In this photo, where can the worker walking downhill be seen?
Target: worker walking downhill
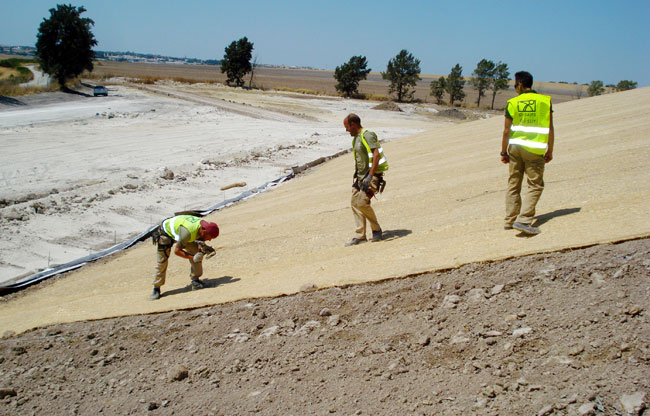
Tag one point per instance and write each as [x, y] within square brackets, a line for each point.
[190, 234]
[370, 165]
[527, 145]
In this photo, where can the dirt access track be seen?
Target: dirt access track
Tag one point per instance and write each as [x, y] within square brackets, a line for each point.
[442, 208]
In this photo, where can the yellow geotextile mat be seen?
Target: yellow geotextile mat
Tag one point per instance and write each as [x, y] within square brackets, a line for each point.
[443, 207]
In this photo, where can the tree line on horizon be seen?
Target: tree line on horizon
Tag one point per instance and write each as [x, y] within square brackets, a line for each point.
[65, 40]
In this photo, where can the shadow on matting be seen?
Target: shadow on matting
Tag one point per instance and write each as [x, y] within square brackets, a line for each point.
[394, 234]
[544, 218]
[207, 283]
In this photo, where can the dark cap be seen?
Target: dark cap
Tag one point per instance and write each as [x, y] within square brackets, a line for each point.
[211, 229]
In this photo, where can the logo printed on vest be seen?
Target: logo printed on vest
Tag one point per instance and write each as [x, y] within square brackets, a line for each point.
[527, 106]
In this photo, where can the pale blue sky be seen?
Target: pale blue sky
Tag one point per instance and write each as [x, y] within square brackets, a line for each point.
[554, 40]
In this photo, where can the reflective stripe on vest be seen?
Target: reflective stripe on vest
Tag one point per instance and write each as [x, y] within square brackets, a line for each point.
[382, 165]
[170, 228]
[192, 224]
[531, 120]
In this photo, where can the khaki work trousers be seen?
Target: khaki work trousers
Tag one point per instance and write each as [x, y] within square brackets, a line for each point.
[164, 250]
[532, 165]
[362, 210]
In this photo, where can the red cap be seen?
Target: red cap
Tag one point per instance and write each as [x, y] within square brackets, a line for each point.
[210, 228]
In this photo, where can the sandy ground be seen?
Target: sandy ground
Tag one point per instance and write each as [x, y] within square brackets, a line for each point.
[83, 173]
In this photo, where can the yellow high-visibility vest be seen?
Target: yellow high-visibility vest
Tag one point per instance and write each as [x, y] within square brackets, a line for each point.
[383, 163]
[192, 224]
[531, 121]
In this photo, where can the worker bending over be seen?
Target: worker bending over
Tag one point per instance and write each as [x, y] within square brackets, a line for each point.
[190, 234]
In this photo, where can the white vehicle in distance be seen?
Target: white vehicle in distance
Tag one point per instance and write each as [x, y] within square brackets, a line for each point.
[100, 90]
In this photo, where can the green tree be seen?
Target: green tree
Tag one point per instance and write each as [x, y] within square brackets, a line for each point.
[236, 62]
[499, 81]
[438, 89]
[455, 84]
[482, 77]
[403, 71]
[595, 88]
[625, 85]
[64, 43]
[350, 74]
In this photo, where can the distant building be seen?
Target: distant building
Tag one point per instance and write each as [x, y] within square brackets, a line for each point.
[18, 50]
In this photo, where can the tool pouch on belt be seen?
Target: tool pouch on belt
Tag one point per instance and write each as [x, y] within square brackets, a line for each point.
[381, 185]
[161, 239]
[155, 235]
[355, 184]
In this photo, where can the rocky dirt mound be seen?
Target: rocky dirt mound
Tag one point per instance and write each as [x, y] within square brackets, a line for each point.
[550, 334]
[388, 106]
[452, 113]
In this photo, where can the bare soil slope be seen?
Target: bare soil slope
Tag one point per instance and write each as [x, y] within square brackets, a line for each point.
[549, 334]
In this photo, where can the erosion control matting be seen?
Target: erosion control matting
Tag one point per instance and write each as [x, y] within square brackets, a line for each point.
[75, 264]
[443, 207]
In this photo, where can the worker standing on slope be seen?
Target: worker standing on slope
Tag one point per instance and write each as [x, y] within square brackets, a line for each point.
[370, 165]
[190, 233]
[527, 145]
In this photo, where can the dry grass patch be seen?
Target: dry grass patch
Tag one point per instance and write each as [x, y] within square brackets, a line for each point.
[299, 91]
[7, 72]
[17, 91]
[374, 97]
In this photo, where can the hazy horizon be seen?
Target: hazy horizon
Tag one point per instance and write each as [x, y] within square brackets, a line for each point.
[576, 41]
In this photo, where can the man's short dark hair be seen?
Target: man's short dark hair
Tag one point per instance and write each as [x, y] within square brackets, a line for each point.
[353, 118]
[525, 78]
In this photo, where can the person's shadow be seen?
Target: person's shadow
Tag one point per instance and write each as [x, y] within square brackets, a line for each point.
[394, 234]
[544, 218]
[207, 284]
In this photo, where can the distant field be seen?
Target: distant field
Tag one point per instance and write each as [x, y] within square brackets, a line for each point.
[312, 80]
[321, 81]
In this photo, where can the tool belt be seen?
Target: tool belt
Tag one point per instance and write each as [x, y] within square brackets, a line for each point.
[155, 238]
[381, 184]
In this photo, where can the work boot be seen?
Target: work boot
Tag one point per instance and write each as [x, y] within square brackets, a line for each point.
[197, 284]
[156, 294]
[526, 228]
[376, 236]
[355, 241]
[507, 227]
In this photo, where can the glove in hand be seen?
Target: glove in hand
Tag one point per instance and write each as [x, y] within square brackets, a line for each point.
[365, 183]
[205, 250]
[208, 251]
